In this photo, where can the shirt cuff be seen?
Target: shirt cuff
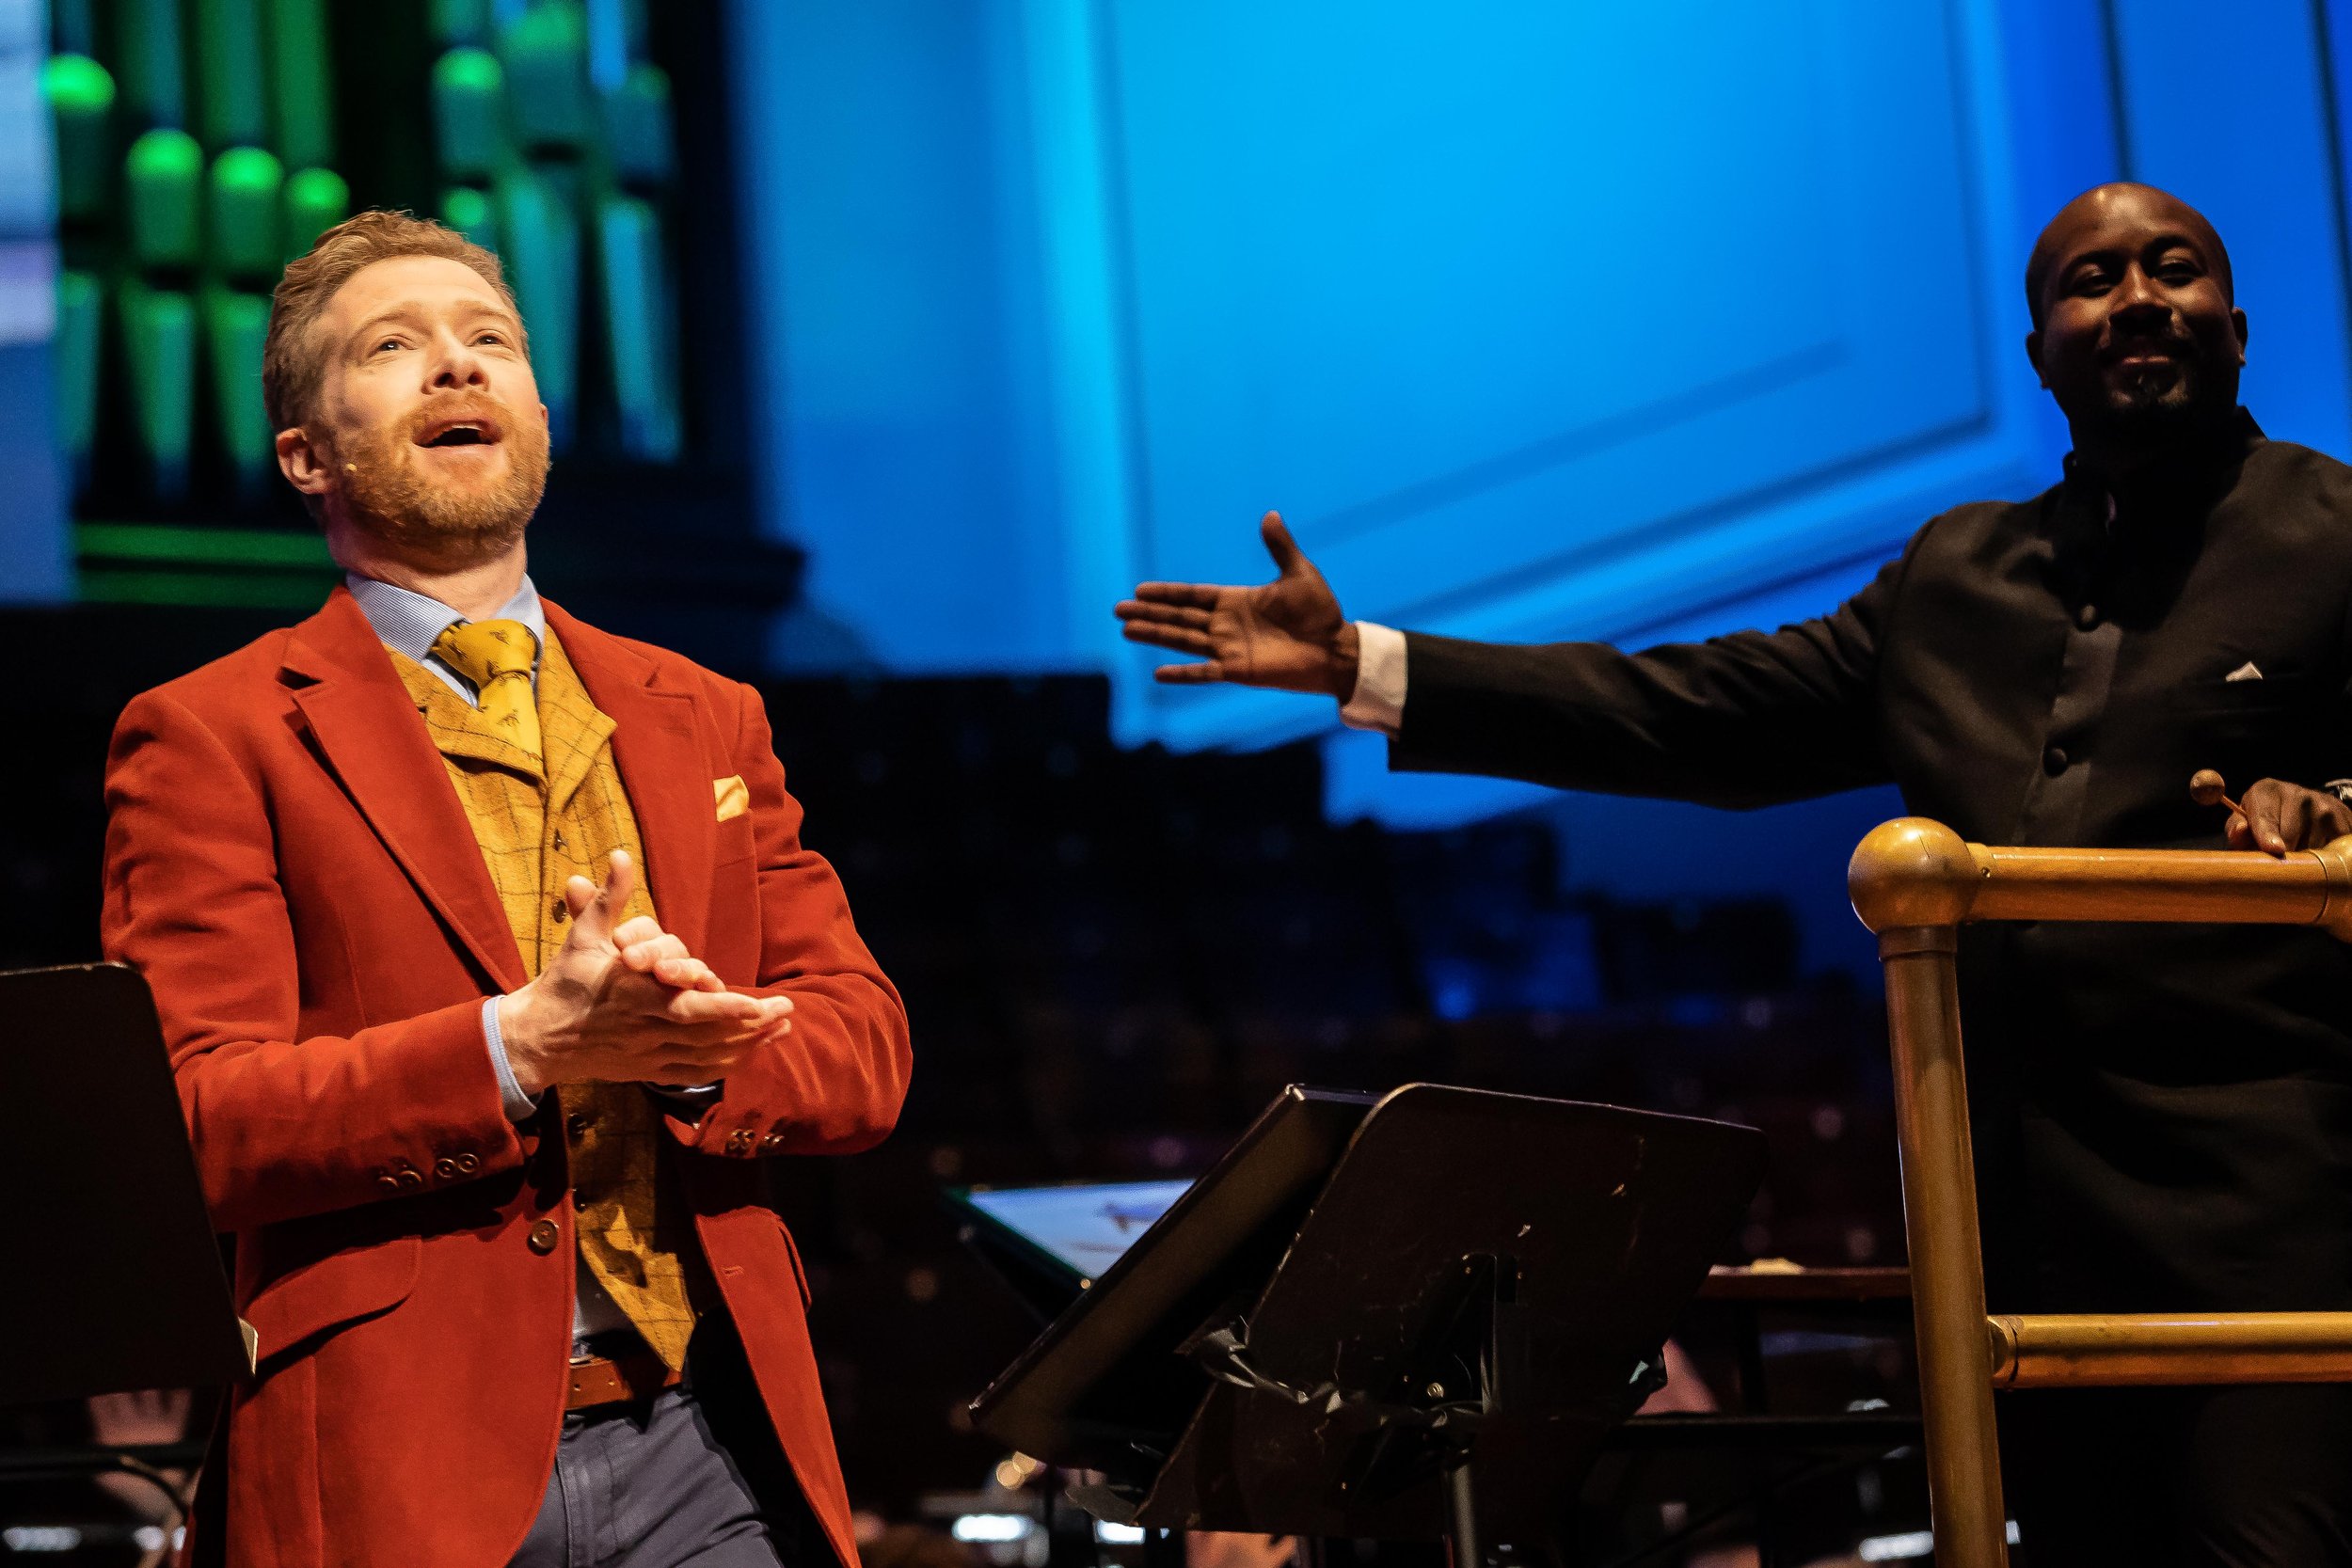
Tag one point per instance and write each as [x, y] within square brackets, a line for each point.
[519, 1105]
[1379, 703]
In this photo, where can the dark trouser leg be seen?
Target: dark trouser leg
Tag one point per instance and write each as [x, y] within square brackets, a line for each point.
[693, 1478]
[2197, 1478]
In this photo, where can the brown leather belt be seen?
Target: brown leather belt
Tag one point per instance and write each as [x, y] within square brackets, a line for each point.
[596, 1381]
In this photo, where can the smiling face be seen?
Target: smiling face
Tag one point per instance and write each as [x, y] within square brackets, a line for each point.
[426, 431]
[2136, 335]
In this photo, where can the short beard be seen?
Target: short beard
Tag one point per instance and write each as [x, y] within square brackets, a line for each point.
[380, 493]
[2152, 419]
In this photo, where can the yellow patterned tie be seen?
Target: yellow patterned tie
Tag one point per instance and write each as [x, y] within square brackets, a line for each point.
[498, 656]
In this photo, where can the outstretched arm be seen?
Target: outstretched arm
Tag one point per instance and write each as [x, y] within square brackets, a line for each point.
[1738, 721]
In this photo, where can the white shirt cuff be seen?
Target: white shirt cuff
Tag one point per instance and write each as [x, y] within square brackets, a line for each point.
[519, 1105]
[1379, 700]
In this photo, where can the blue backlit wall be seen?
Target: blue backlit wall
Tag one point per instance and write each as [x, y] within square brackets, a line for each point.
[1538, 320]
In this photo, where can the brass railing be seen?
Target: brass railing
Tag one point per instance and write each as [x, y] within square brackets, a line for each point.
[1914, 883]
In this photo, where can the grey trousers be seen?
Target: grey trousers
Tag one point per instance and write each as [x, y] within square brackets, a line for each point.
[693, 1479]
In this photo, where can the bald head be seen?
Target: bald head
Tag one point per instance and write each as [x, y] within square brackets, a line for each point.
[2135, 330]
[2101, 208]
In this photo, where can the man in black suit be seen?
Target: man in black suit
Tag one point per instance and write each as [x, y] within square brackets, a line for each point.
[2164, 1114]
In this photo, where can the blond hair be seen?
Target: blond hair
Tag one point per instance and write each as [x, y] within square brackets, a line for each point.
[291, 368]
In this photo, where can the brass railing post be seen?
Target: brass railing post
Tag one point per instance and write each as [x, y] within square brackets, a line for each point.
[1947, 1258]
[1914, 883]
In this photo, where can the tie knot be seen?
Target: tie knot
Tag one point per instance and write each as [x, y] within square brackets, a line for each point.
[482, 650]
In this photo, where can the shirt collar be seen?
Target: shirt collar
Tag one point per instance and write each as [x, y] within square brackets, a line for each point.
[409, 623]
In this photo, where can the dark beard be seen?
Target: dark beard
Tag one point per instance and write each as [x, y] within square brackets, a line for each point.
[2184, 412]
[382, 494]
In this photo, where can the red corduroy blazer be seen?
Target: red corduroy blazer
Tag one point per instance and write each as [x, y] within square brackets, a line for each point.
[288, 865]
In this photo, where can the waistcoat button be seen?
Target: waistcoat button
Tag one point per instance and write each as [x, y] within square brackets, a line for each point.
[2054, 760]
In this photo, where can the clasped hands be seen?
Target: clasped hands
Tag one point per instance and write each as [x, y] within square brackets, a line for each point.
[624, 1002]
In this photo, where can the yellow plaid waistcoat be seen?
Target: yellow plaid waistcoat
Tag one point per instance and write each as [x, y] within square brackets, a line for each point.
[539, 825]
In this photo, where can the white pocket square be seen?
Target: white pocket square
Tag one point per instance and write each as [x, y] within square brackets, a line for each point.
[2246, 671]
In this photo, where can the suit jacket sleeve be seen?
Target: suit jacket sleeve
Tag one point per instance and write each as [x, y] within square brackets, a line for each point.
[282, 1125]
[1749, 720]
[835, 1084]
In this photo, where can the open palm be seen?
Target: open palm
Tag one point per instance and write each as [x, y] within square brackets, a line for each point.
[1287, 634]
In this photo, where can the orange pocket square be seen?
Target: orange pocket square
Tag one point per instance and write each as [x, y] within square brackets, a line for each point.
[734, 800]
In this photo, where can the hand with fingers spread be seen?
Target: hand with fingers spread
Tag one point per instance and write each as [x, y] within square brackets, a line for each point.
[2278, 818]
[1287, 634]
[624, 1002]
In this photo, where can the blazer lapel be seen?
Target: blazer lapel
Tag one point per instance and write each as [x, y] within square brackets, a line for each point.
[663, 766]
[375, 742]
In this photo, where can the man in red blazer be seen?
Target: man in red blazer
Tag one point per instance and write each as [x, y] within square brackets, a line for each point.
[370, 1069]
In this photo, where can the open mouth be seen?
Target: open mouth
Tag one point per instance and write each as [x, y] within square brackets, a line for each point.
[459, 433]
[2146, 352]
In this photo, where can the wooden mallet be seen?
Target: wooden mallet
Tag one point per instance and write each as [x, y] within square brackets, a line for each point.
[2206, 789]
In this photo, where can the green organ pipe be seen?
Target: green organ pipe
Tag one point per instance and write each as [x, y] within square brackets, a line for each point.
[467, 211]
[231, 99]
[456, 21]
[546, 51]
[81, 97]
[540, 246]
[246, 190]
[468, 113]
[159, 352]
[316, 199]
[301, 100]
[236, 323]
[637, 127]
[635, 309]
[151, 64]
[74, 367]
[164, 176]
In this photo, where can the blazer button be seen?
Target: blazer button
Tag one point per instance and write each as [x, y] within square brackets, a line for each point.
[468, 1164]
[446, 1168]
[2087, 617]
[772, 1142]
[389, 1182]
[544, 1236]
[410, 1181]
[2054, 760]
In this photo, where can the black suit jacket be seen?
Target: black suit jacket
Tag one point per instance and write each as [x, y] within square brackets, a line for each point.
[2164, 1112]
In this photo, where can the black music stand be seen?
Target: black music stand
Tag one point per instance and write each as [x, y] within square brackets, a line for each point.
[115, 1280]
[1430, 1341]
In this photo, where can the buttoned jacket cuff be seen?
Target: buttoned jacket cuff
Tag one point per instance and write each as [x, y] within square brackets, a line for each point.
[519, 1105]
[1378, 701]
